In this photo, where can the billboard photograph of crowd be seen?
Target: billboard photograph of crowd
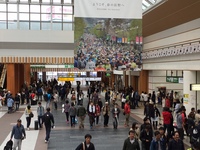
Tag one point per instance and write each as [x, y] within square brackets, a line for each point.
[108, 44]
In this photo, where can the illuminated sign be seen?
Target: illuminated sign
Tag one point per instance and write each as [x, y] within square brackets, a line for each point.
[65, 79]
[195, 87]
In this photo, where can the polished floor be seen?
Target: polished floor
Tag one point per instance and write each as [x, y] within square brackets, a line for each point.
[63, 137]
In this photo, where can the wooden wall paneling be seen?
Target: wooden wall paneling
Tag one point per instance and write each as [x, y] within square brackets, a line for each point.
[170, 14]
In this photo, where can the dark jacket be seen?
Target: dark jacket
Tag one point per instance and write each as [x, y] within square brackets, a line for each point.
[129, 146]
[154, 112]
[48, 119]
[155, 145]
[18, 132]
[91, 147]
[144, 136]
[81, 111]
[176, 145]
[115, 112]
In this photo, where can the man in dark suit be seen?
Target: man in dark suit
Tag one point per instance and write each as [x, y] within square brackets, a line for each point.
[132, 99]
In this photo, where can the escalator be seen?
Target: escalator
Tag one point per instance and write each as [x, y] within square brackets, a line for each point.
[2, 75]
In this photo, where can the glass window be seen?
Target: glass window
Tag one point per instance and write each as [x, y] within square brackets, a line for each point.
[145, 3]
[56, 9]
[46, 25]
[57, 17]
[23, 8]
[57, 26]
[12, 25]
[46, 9]
[57, 1]
[35, 8]
[12, 0]
[12, 16]
[67, 18]
[12, 7]
[24, 1]
[2, 24]
[67, 1]
[68, 26]
[34, 1]
[2, 7]
[2, 16]
[35, 17]
[35, 25]
[23, 16]
[46, 17]
[45, 1]
[23, 25]
[68, 10]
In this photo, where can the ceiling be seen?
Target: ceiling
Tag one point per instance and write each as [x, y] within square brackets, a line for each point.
[147, 4]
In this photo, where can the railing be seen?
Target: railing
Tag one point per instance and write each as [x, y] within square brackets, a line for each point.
[3, 76]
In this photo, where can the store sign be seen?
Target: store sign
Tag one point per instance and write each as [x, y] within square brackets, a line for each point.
[69, 66]
[195, 87]
[174, 79]
[65, 79]
[37, 66]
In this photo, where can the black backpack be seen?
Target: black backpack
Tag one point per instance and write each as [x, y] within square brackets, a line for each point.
[195, 135]
[9, 145]
[47, 118]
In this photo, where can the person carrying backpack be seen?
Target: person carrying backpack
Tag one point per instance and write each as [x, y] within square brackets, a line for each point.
[195, 135]
[48, 97]
[48, 121]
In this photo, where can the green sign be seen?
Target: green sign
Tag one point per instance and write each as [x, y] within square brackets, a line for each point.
[69, 66]
[37, 66]
[172, 79]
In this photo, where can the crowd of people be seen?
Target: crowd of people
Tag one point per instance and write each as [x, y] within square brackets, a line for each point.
[93, 52]
[153, 134]
[174, 126]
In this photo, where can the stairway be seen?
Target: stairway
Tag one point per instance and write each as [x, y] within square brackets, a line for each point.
[3, 75]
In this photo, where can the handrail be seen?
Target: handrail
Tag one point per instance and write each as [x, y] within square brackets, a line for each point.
[3, 76]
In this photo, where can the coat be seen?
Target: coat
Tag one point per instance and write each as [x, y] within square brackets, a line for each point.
[131, 146]
[80, 146]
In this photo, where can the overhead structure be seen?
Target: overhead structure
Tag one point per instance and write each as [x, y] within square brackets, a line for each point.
[149, 4]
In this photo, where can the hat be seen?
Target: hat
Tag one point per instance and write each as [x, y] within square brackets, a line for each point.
[106, 102]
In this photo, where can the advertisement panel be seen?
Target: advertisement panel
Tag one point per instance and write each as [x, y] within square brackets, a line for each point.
[105, 33]
[130, 9]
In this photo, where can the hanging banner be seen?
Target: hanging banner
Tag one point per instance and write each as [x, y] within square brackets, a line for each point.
[131, 9]
[105, 33]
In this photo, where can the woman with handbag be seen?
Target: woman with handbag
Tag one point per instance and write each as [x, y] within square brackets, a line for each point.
[29, 115]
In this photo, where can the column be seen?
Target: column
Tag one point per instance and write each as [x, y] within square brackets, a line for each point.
[124, 78]
[189, 97]
[11, 78]
[44, 76]
[143, 81]
[129, 77]
[27, 73]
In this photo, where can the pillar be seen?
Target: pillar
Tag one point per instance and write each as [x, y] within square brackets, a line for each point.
[124, 78]
[11, 78]
[129, 77]
[44, 76]
[143, 81]
[27, 74]
[189, 97]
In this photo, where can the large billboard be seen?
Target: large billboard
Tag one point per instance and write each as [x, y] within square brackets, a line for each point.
[106, 33]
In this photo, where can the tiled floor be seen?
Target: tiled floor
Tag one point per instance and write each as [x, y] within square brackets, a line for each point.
[63, 137]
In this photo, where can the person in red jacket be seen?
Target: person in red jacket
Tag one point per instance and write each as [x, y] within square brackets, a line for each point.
[127, 112]
[97, 113]
[167, 102]
[167, 121]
